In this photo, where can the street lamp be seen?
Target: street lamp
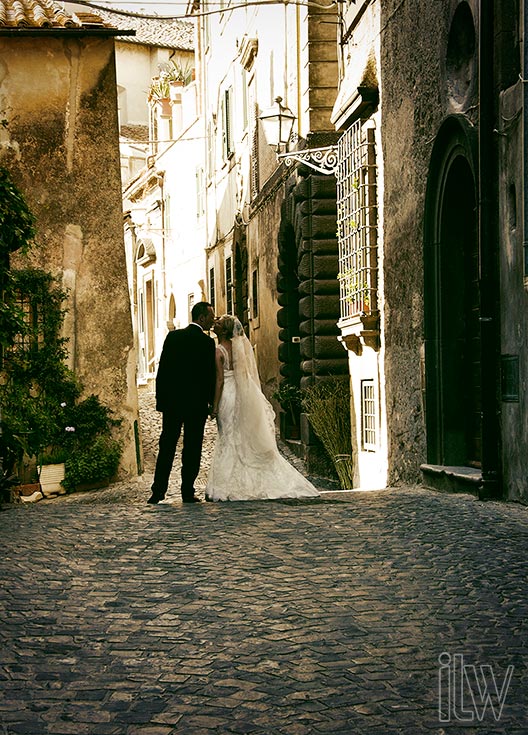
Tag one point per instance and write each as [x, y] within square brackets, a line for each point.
[278, 124]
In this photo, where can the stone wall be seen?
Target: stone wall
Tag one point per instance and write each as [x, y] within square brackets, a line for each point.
[413, 103]
[58, 96]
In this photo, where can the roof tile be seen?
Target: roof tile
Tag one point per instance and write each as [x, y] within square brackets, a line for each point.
[36, 14]
[175, 34]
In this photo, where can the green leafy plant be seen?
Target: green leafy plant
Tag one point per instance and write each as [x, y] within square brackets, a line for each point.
[43, 413]
[327, 405]
[290, 398]
[17, 232]
[42, 416]
[17, 223]
[173, 72]
[356, 288]
[92, 464]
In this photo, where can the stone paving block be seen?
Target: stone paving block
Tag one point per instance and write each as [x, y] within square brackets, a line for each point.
[268, 617]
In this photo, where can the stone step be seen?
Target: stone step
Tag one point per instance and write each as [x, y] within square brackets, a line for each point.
[452, 479]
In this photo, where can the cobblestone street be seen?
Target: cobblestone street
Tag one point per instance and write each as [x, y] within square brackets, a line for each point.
[346, 614]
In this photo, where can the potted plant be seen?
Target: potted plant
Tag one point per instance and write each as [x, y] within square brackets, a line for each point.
[170, 75]
[290, 397]
[44, 416]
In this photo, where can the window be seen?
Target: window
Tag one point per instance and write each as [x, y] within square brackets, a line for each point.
[254, 294]
[31, 311]
[190, 304]
[229, 285]
[212, 299]
[357, 222]
[368, 415]
[227, 124]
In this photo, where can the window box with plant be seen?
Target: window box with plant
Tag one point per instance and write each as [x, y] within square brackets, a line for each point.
[170, 75]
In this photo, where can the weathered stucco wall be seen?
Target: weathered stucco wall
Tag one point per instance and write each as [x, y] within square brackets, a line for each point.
[262, 241]
[61, 147]
[413, 104]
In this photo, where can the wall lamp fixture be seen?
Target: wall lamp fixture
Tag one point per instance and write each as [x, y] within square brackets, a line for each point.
[278, 125]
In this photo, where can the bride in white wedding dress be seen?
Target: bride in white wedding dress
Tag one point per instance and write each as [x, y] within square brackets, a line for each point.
[247, 464]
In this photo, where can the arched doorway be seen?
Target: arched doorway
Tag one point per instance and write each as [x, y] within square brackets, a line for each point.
[452, 301]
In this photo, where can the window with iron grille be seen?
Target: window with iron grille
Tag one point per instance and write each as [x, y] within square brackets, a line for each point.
[229, 285]
[368, 415]
[32, 316]
[190, 304]
[357, 222]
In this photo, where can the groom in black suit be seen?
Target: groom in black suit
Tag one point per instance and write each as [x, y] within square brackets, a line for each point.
[185, 386]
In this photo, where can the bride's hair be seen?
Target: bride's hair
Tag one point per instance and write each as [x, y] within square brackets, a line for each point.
[228, 322]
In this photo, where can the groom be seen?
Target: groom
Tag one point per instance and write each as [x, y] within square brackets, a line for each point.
[185, 386]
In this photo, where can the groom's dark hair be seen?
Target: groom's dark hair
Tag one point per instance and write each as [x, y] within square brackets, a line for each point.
[200, 309]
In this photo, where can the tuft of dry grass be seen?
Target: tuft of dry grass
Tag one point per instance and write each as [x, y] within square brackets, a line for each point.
[327, 405]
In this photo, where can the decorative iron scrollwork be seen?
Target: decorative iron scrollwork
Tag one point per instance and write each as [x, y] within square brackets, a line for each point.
[323, 160]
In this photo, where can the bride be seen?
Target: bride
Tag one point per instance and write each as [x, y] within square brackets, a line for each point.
[246, 464]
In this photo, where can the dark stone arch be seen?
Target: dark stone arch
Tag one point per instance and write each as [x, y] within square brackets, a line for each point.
[452, 299]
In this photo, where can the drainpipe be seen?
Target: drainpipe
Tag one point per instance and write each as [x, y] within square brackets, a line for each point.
[161, 184]
[489, 264]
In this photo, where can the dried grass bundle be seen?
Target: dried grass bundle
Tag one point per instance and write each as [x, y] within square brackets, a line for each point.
[327, 405]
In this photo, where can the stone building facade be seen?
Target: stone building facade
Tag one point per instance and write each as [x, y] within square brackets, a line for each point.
[60, 145]
[454, 263]
[271, 229]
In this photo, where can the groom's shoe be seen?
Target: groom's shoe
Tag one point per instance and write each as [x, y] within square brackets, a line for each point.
[155, 499]
[192, 499]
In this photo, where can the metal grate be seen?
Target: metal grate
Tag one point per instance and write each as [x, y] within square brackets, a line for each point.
[357, 221]
[368, 415]
[32, 316]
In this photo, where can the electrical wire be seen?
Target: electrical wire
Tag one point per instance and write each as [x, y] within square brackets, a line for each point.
[225, 9]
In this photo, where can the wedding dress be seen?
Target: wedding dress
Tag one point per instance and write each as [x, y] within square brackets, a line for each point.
[247, 464]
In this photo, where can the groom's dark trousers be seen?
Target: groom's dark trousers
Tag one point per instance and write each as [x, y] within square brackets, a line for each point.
[185, 386]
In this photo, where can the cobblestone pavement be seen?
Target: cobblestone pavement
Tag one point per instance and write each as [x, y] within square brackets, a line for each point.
[344, 615]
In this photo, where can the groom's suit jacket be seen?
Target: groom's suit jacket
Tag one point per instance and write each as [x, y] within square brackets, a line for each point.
[185, 382]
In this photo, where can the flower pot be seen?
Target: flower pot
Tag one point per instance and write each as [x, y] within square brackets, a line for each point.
[50, 477]
[166, 107]
[27, 488]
